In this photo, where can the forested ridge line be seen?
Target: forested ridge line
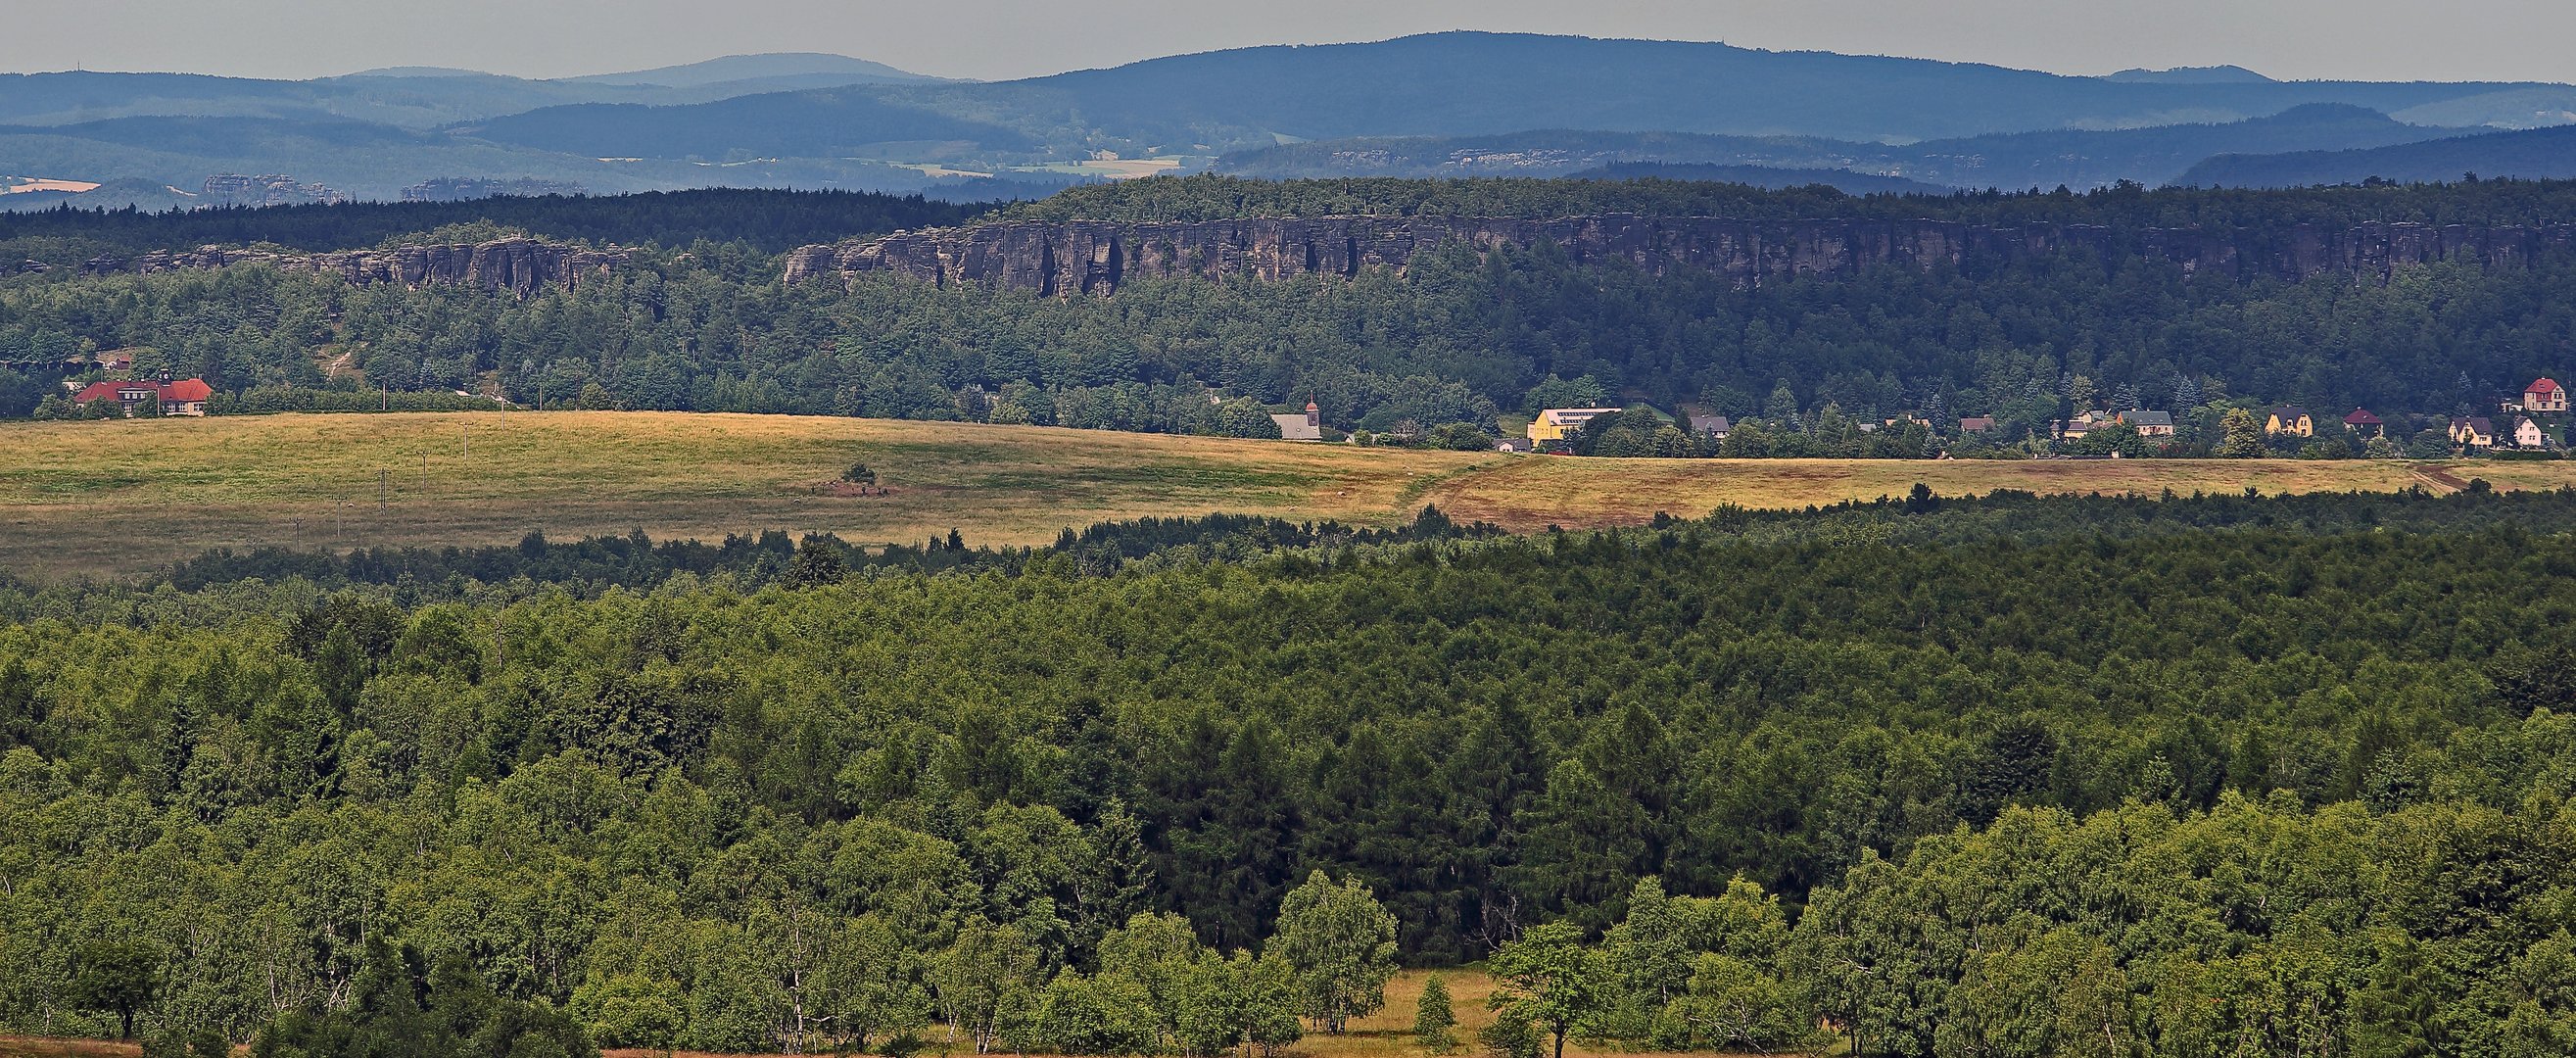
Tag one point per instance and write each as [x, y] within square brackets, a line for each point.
[769, 221]
[2127, 207]
[1461, 337]
[600, 801]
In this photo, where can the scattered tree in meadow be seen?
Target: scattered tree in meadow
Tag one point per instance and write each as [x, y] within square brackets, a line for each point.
[1435, 1025]
[1550, 978]
[1341, 942]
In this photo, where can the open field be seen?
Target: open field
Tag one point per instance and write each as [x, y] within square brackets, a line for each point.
[105, 497]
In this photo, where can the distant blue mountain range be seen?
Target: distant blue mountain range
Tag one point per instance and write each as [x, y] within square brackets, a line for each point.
[1445, 104]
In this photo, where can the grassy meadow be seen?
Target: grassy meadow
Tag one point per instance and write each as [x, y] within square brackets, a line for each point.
[108, 497]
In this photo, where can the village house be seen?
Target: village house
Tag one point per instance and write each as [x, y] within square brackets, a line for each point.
[184, 397]
[2527, 434]
[1713, 427]
[2150, 423]
[1307, 427]
[2544, 395]
[1554, 425]
[1976, 423]
[2474, 432]
[2289, 420]
[2365, 424]
[2074, 429]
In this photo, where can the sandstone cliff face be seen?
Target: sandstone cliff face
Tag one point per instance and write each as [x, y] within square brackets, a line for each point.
[1062, 258]
[520, 266]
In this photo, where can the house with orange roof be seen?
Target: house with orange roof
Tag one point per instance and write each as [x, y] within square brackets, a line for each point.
[184, 397]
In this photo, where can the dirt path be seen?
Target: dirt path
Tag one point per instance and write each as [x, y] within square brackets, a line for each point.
[2442, 480]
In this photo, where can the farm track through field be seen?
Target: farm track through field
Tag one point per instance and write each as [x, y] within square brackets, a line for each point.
[2442, 480]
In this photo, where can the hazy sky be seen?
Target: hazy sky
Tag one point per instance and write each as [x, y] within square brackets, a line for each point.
[2361, 39]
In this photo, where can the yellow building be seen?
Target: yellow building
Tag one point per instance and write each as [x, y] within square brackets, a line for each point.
[2289, 420]
[1556, 424]
[2476, 432]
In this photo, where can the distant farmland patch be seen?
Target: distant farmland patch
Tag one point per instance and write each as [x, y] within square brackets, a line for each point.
[120, 496]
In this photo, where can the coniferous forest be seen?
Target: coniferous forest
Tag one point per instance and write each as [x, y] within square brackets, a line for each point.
[1925, 777]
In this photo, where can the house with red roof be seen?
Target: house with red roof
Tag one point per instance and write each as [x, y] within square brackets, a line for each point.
[2365, 424]
[2544, 395]
[184, 397]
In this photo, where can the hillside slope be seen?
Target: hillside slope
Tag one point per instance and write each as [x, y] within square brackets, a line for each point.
[2080, 159]
[1486, 83]
[2528, 154]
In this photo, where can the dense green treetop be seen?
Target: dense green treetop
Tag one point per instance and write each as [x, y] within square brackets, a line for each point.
[712, 815]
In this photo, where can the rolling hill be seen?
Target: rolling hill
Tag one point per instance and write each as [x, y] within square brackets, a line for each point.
[2074, 158]
[415, 97]
[823, 124]
[1440, 104]
[773, 68]
[2083, 159]
[1454, 84]
[1765, 177]
[2530, 154]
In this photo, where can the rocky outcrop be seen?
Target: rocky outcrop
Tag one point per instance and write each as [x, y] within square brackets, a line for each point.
[520, 266]
[1067, 257]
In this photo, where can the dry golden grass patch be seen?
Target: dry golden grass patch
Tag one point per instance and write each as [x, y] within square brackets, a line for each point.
[107, 497]
[1534, 492]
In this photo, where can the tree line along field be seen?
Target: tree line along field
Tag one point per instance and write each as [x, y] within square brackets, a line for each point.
[1388, 1033]
[105, 497]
